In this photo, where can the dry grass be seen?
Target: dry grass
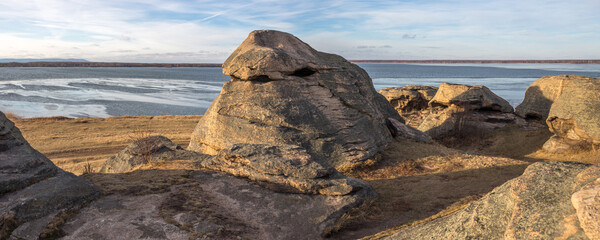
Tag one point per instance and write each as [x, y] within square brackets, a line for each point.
[72, 143]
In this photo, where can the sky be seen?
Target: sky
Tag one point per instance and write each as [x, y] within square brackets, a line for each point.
[205, 31]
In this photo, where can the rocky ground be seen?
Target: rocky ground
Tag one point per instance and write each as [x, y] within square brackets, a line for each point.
[415, 181]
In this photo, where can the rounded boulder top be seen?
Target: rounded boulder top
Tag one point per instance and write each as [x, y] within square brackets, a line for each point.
[273, 54]
[542, 93]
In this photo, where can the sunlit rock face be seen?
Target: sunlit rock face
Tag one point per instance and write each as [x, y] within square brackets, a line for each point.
[551, 200]
[282, 91]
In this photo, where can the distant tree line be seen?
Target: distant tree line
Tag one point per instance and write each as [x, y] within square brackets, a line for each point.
[106, 64]
[579, 61]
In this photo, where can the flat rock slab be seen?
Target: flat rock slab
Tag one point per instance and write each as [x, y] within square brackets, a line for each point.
[212, 205]
[123, 217]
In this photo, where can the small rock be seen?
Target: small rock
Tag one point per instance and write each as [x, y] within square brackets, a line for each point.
[399, 129]
[542, 93]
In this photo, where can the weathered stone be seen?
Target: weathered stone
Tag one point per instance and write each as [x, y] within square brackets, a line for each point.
[280, 215]
[284, 92]
[209, 205]
[123, 217]
[542, 93]
[536, 205]
[575, 115]
[469, 98]
[145, 150]
[461, 110]
[287, 166]
[32, 189]
[454, 121]
[409, 98]
[587, 203]
[402, 130]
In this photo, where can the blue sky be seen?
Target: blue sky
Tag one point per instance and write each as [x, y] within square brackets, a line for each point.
[208, 31]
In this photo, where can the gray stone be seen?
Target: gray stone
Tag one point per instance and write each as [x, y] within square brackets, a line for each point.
[575, 115]
[463, 110]
[282, 91]
[469, 98]
[32, 189]
[536, 205]
[131, 217]
[280, 215]
[287, 166]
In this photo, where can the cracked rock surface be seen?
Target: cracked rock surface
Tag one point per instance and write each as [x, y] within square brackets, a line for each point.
[574, 117]
[282, 91]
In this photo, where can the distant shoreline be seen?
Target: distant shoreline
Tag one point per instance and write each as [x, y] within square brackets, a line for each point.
[194, 65]
[107, 64]
[577, 61]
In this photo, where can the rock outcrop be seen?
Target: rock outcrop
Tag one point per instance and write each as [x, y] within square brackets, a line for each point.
[409, 98]
[282, 91]
[204, 205]
[33, 191]
[285, 167]
[469, 98]
[146, 150]
[460, 110]
[574, 117]
[542, 93]
[404, 131]
[549, 201]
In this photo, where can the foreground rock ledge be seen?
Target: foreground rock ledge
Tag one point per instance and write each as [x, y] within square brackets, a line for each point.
[282, 91]
[548, 201]
[33, 191]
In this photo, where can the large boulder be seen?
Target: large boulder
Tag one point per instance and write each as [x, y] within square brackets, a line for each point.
[574, 117]
[282, 91]
[463, 110]
[33, 191]
[470, 98]
[549, 201]
[288, 167]
[542, 93]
